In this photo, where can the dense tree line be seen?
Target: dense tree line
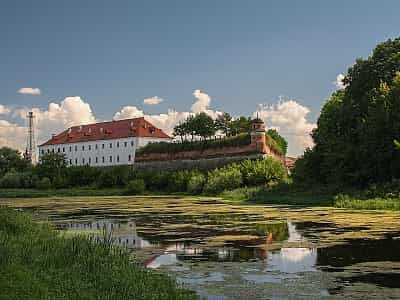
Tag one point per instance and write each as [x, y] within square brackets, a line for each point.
[235, 131]
[202, 125]
[52, 173]
[355, 138]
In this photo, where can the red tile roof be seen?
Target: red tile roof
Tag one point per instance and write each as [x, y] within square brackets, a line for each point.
[137, 127]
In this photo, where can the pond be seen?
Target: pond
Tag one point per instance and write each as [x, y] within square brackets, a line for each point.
[229, 251]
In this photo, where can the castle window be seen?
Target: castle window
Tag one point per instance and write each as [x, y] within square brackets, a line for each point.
[63, 149]
[90, 147]
[96, 146]
[90, 160]
[103, 159]
[48, 150]
[58, 150]
[110, 145]
[132, 143]
[117, 158]
[129, 157]
[83, 161]
[97, 159]
[83, 147]
[76, 161]
[70, 148]
[42, 151]
[117, 144]
[125, 144]
[102, 146]
[110, 158]
[70, 162]
[52, 150]
[76, 148]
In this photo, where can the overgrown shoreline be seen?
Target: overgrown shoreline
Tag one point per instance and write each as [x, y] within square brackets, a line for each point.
[247, 195]
[37, 263]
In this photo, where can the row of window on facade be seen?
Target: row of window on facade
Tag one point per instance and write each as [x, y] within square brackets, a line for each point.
[96, 161]
[89, 147]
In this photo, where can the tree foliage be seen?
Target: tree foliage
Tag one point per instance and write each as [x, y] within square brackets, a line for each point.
[354, 139]
[11, 159]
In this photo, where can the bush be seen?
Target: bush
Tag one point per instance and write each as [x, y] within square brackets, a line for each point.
[196, 183]
[44, 184]
[165, 147]
[226, 178]
[136, 187]
[12, 179]
[257, 172]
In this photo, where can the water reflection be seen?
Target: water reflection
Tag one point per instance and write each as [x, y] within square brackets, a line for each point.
[123, 234]
[273, 264]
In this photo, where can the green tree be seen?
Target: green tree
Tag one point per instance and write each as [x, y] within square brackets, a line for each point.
[203, 125]
[357, 126]
[180, 130]
[52, 165]
[223, 123]
[280, 140]
[11, 159]
[240, 125]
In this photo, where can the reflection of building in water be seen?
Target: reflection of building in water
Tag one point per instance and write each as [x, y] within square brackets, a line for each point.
[122, 233]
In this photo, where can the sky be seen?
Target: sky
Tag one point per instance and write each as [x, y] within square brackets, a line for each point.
[75, 62]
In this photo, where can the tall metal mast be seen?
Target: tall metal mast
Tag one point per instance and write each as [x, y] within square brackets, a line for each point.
[30, 152]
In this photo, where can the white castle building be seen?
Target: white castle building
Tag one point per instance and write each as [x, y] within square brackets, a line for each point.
[104, 144]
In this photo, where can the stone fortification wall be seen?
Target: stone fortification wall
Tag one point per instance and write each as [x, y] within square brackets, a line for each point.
[211, 157]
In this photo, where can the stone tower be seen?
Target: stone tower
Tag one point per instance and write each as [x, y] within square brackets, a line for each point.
[258, 134]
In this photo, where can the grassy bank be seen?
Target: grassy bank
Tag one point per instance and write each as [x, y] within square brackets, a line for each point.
[37, 263]
[36, 193]
[285, 195]
[377, 203]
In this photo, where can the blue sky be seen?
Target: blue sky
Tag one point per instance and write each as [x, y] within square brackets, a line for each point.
[241, 53]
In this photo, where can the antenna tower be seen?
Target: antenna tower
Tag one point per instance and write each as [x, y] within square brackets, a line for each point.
[30, 152]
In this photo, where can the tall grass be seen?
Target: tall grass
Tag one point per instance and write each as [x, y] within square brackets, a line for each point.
[345, 201]
[37, 263]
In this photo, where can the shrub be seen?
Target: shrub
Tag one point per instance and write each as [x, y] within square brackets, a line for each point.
[136, 187]
[256, 172]
[226, 178]
[196, 183]
[59, 182]
[12, 179]
[44, 184]
[165, 147]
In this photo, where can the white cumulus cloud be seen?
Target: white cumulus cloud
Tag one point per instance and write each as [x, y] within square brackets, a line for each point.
[57, 117]
[4, 110]
[153, 100]
[29, 91]
[12, 135]
[339, 82]
[290, 119]
[168, 120]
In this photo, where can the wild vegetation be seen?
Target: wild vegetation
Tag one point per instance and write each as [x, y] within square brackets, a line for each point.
[236, 132]
[52, 173]
[356, 147]
[37, 263]
[358, 126]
